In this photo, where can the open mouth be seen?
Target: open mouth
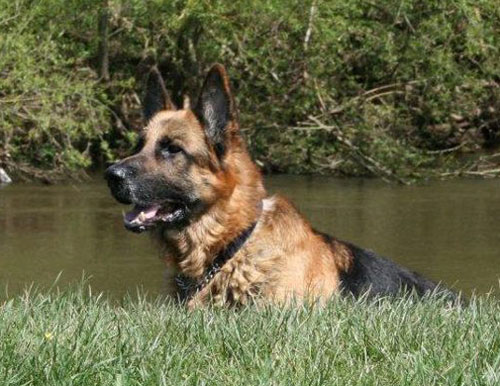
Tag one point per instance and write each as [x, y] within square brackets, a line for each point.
[142, 218]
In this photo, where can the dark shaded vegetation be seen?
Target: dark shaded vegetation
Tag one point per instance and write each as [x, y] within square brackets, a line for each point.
[399, 90]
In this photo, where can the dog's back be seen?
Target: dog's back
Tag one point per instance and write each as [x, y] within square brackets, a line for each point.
[374, 275]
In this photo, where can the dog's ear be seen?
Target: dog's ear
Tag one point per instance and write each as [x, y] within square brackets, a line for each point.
[157, 98]
[215, 108]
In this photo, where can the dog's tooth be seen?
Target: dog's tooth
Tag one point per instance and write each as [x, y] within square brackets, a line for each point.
[142, 217]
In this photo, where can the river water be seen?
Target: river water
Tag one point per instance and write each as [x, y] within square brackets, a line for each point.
[446, 230]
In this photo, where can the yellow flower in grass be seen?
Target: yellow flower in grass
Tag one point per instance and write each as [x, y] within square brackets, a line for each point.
[49, 335]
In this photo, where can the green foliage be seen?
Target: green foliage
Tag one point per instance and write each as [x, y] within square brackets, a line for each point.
[323, 86]
[50, 108]
[74, 338]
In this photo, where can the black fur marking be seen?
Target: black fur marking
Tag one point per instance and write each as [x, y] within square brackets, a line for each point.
[214, 110]
[157, 98]
[153, 189]
[379, 276]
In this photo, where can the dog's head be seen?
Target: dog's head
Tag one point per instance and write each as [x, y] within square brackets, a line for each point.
[178, 171]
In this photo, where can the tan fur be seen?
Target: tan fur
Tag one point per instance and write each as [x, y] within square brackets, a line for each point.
[283, 260]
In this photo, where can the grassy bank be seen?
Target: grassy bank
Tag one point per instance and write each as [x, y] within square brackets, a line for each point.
[401, 90]
[75, 338]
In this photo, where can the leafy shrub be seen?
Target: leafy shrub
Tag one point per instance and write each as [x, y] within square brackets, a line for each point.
[398, 89]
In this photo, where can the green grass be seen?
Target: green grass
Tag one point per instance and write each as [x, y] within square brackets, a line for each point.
[74, 337]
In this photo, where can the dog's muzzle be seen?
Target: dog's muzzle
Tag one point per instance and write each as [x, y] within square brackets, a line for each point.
[146, 212]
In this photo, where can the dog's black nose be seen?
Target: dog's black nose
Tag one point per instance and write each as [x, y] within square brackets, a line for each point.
[120, 171]
[116, 173]
[119, 177]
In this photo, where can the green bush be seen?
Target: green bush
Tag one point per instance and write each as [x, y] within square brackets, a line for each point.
[52, 109]
[399, 89]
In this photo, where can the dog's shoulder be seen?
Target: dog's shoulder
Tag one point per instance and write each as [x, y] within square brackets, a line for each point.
[283, 219]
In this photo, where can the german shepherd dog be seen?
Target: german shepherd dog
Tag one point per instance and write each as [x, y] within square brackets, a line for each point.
[193, 185]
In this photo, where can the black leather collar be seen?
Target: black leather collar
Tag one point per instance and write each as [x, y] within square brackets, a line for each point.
[189, 287]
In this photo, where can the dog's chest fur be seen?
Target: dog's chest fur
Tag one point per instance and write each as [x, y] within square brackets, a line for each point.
[283, 259]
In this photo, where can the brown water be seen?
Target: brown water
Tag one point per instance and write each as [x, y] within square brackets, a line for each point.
[448, 231]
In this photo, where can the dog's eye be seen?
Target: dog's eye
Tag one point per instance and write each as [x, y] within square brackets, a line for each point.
[168, 148]
[172, 149]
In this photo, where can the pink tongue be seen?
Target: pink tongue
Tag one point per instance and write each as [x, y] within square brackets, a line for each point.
[149, 213]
